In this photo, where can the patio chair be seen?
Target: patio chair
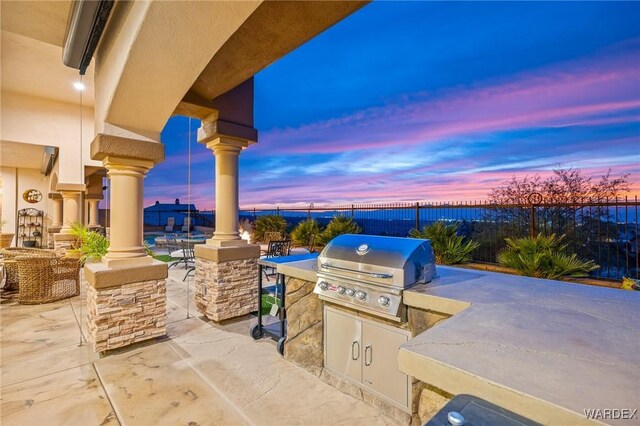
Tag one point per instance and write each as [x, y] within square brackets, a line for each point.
[186, 226]
[46, 279]
[9, 255]
[272, 236]
[171, 222]
[174, 248]
[189, 257]
[276, 248]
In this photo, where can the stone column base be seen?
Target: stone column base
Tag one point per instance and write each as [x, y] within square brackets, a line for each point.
[226, 281]
[51, 233]
[125, 305]
[63, 241]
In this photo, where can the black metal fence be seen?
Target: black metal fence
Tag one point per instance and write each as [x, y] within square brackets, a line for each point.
[604, 231]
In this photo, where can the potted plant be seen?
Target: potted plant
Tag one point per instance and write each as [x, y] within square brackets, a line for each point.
[5, 237]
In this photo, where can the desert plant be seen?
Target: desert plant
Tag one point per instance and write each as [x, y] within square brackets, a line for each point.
[449, 247]
[543, 257]
[339, 225]
[91, 246]
[304, 230]
[268, 223]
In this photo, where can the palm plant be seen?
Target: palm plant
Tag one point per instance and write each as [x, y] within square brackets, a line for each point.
[91, 246]
[302, 233]
[339, 225]
[449, 247]
[543, 257]
[268, 223]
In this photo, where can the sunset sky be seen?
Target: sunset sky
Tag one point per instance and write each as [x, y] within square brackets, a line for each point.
[432, 101]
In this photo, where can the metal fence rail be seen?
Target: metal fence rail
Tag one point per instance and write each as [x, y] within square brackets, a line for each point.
[605, 231]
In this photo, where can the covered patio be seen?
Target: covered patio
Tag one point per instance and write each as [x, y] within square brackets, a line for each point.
[200, 373]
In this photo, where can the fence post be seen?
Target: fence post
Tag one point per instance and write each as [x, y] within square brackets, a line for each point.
[417, 216]
[532, 221]
[278, 211]
[254, 214]
[352, 211]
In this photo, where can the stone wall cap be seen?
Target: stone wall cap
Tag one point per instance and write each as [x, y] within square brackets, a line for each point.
[226, 254]
[104, 145]
[99, 276]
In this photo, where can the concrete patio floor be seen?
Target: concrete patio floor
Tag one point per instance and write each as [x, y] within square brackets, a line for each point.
[200, 374]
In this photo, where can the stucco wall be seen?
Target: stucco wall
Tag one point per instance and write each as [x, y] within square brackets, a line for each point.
[28, 119]
[14, 183]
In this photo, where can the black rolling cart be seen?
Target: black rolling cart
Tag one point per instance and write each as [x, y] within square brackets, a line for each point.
[278, 329]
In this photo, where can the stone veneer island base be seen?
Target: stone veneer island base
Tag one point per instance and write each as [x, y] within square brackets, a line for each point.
[226, 281]
[125, 305]
[304, 347]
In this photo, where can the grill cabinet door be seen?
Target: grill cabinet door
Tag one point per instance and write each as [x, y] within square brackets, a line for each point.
[380, 362]
[343, 346]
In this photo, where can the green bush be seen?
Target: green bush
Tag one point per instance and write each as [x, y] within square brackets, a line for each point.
[449, 247]
[543, 257]
[268, 223]
[303, 232]
[339, 225]
[91, 245]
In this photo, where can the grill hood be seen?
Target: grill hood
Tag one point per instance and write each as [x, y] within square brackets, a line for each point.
[394, 261]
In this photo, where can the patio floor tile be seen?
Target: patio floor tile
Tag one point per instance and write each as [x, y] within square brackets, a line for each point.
[68, 397]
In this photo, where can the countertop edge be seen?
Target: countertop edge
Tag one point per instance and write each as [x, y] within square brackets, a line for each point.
[456, 382]
[433, 303]
[302, 269]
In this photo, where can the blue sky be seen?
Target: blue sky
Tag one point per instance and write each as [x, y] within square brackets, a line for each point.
[408, 101]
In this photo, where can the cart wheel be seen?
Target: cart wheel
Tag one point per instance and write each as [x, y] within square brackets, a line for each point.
[280, 345]
[256, 333]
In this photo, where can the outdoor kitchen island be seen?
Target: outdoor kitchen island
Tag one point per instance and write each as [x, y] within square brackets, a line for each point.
[543, 349]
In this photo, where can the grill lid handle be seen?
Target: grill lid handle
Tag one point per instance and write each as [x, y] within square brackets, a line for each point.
[371, 274]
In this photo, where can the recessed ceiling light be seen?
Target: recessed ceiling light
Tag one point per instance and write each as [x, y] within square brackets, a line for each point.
[78, 86]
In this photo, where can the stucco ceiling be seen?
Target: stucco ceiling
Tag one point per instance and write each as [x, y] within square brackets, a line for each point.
[22, 155]
[44, 21]
[35, 68]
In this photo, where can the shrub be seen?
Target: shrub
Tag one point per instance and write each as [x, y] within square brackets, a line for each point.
[268, 223]
[91, 246]
[302, 233]
[339, 225]
[449, 247]
[543, 257]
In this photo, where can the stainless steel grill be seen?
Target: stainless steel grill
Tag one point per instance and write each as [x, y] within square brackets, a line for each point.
[369, 273]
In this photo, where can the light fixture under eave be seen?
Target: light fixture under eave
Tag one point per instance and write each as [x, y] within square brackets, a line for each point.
[78, 86]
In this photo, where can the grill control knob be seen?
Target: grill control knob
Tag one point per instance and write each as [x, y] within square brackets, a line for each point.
[341, 289]
[384, 300]
[323, 285]
[350, 292]
[361, 295]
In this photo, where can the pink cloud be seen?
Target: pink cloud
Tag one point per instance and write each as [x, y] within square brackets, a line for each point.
[580, 91]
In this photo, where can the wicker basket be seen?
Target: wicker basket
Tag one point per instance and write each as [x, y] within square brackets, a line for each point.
[46, 279]
[11, 267]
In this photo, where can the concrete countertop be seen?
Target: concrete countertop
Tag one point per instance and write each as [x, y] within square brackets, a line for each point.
[302, 269]
[545, 349]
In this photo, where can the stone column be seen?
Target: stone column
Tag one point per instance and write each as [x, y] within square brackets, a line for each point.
[226, 276]
[126, 292]
[71, 209]
[94, 219]
[57, 211]
[71, 213]
[56, 218]
[226, 152]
